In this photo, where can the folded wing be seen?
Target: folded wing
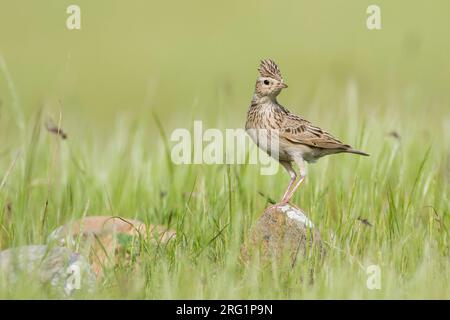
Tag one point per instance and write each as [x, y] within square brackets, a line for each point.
[301, 131]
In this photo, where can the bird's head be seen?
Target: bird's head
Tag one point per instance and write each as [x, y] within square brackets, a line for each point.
[270, 82]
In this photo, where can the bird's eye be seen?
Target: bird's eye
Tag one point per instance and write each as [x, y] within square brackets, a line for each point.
[266, 82]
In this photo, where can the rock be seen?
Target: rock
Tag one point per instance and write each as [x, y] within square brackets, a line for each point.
[283, 231]
[101, 225]
[63, 269]
[109, 240]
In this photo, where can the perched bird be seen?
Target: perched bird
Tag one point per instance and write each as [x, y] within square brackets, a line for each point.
[297, 139]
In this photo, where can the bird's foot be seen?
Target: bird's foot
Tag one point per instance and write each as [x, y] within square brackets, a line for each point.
[284, 201]
[271, 207]
[279, 204]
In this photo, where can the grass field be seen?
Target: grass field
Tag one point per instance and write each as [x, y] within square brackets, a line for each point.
[132, 66]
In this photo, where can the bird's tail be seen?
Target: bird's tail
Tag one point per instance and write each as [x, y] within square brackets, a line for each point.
[357, 152]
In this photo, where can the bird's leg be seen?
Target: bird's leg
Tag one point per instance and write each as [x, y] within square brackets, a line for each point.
[303, 172]
[292, 174]
[291, 171]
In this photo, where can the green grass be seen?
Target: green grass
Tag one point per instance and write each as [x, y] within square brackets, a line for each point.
[115, 158]
[402, 190]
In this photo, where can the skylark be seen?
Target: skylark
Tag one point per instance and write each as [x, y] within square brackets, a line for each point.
[297, 139]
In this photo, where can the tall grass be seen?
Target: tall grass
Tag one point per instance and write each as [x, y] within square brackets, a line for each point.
[401, 192]
[119, 107]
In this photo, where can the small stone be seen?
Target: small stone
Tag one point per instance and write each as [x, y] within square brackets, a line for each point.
[63, 269]
[283, 230]
[106, 240]
[101, 225]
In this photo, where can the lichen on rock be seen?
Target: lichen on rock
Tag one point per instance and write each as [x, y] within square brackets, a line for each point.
[283, 231]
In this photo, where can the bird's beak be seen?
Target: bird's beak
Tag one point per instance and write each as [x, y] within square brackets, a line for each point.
[283, 85]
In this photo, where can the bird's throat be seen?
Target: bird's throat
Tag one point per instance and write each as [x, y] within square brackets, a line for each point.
[264, 100]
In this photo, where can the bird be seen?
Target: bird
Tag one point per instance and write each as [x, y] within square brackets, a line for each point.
[282, 134]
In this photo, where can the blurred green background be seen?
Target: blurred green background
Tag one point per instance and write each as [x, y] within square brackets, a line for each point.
[199, 58]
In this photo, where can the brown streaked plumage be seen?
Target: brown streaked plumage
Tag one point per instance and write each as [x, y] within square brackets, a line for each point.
[298, 139]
